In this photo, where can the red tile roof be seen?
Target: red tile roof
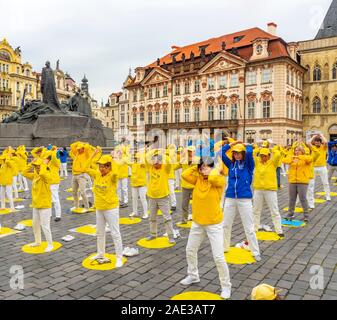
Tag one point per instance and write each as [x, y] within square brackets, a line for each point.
[277, 46]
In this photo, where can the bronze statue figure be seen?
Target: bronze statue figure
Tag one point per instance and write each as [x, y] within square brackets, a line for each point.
[48, 88]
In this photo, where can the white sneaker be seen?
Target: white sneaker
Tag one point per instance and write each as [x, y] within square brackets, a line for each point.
[258, 258]
[226, 293]
[145, 216]
[119, 262]
[189, 280]
[131, 215]
[35, 244]
[243, 245]
[189, 217]
[49, 248]
[97, 256]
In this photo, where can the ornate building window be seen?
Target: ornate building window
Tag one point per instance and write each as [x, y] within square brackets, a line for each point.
[291, 110]
[316, 106]
[266, 75]
[141, 117]
[196, 86]
[251, 78]
[142, 95]
[259, 49]
[157, 93]
[222, 111]
[334, 104]
[187, 115]
[234, 111]
[266, 109]
[150, 93]
[197, 114]
[165, 116]
[251, 110]
[288, 109]
[288, 76]
[334, 71]
[187, 87]
[234, 80]
[317, 73]
[222, 82]
[177, 115]
[165, 90]
[149, 117]
[157, 117]
[134, 119]
[177, 89]
[210, 83]
[210, 113]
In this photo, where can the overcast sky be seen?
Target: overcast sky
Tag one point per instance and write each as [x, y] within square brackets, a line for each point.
[104, 38]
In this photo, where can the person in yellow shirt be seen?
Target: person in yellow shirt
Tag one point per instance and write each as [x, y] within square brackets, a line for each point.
[318, 144]
[23, 157]
[207, 218]
[54, 165]
[80, 153]
[171, 153]
[122, 160]
[298, 178]
[107, 206]
[138, 185]
[40, 175]
[159, 168]
[7, 169]
[265, 187]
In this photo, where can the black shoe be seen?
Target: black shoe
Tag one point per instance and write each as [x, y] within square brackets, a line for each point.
[306, 220]
[173, 208]
[57, 219]
[281, 235]
[290, 217]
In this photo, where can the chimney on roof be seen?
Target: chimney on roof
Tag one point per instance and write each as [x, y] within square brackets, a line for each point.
[272, 28]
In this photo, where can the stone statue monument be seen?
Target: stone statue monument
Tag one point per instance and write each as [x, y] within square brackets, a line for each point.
[48, 88]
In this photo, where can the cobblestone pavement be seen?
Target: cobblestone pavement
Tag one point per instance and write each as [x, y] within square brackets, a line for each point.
[156, 274]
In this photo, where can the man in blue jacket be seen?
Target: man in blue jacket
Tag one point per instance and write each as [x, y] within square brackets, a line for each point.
[332, 158]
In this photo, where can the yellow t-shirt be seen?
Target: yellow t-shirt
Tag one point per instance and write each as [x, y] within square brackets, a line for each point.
[323, 152]
[158, 186]
[7, 170]
[138, 175]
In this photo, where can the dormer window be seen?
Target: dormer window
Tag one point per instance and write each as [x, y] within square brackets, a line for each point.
[237, 39]
[259, 49]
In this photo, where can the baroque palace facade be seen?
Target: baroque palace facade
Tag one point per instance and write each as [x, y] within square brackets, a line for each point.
[248, 84]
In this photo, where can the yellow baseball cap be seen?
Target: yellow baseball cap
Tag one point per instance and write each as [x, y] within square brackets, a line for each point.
[264, 152]
[239, 148]
[105, 159]
[264, 292]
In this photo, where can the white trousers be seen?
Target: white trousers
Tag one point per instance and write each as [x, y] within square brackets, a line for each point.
[6, 191]
[23, 184]
[223, 197]
[323, 173]
[173, 198]
[311, 194]
[110, 217]
[245, 208]
[141, 192]
[215, 235]
[54, 188]
[122, 190]
[63, 170]
[41, 219]
[177, 175]
[15, 187]
[270, 197]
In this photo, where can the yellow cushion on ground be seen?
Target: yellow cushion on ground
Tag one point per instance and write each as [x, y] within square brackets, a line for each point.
[297, 210]
[267, 236]
[128, 221]
[177, 191]
[40, 250]
[27, 223]
[94, 265]
[197, 295]
[239, 256]
[7, 232]
[160, 213]
[79, 210]
[158, 243]
[69, 190]
[88, 229]
[16, 200]
[332, 194]
[319, 201]
[5, 211]
[72, 198]
[188, 225]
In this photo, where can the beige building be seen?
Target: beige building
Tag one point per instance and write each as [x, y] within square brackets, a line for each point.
[319, 57]
[248, 84]
[16, 78]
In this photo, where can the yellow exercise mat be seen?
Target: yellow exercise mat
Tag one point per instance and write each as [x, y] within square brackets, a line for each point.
[177, 191]
[72, 198]
[188, 225]
[239, 256]
[129, 221]
[40, 249]
[332, 194]
[158, 243]
[94, 265]
[81, 210]
[16, 200]
[7, 232]
[297, 210]
[88, 229]
[317, 201]
[5, 211]
[27, 223]
[69, 190]
[21, 191]
[267, 236]
[160, 213]
[197, 295]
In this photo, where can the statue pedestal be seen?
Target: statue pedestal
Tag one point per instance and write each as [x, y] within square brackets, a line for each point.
[58, 129]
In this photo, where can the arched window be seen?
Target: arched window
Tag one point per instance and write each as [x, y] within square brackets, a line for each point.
[334, 71]
[334, 104]
[316, 106]
[317, 76]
